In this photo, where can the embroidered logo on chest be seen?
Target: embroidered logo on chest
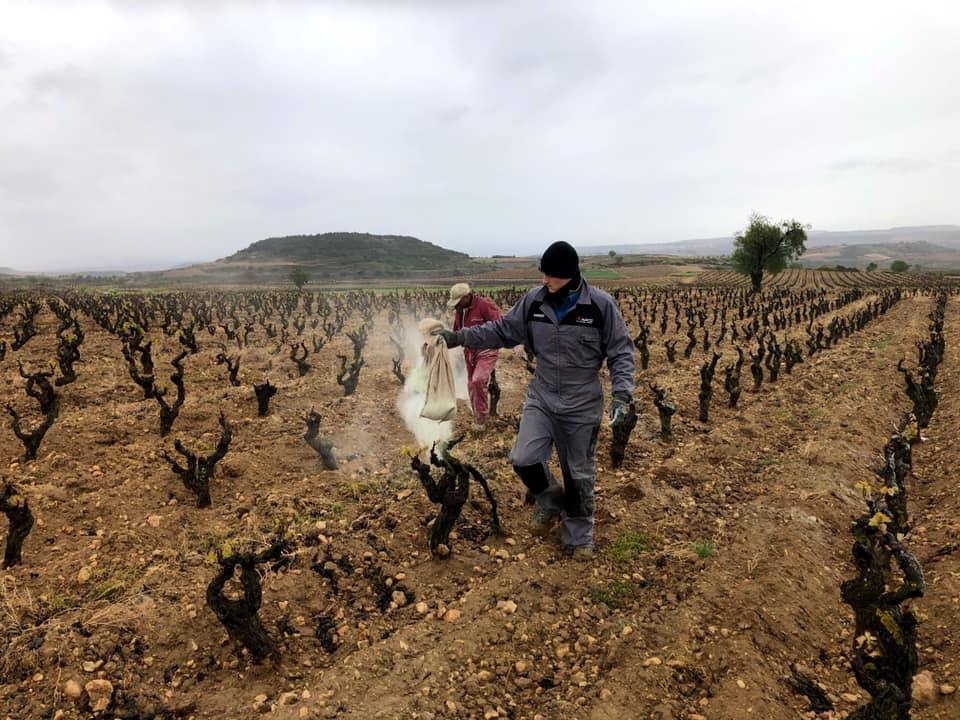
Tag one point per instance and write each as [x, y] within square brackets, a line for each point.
[579, 320]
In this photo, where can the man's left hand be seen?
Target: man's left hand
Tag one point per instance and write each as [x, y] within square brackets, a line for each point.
[619, 407]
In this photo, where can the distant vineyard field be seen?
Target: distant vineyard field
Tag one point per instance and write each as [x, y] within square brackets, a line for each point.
[804, 278]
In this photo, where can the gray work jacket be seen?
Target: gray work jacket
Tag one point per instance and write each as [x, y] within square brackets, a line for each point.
[569, 353]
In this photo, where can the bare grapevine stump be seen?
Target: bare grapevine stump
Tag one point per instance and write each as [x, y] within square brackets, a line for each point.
[239, 617]
[897, 459]
[397, 336]
[168, 412]
[922, 394]
[621, 435]
[25, 329]
[731, 381]
[792, 355]
[398, 370]
[264, 392]
[756, 366]
[323, 448]
[671, 347]
[68, 350]
[40, 389]
[450, 492]
[349, 374]
[199, 470]
[640, 342]
[358, 339]
[493, 389]
[141, 371]
[233, 365]
[188, 339]
[691, 342]
[665, 408]
[774, 356]
[15, 507]
[706, 387]
[303, 367]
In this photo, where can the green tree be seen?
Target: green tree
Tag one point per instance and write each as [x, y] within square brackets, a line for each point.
[871, 267]
[299, 277]
[612, 253]
[766, 245]
[899, 266]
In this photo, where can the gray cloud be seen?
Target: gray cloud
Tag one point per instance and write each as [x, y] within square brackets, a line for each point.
[171, 131]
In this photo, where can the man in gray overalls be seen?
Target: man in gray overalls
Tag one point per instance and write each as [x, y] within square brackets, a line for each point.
[570, 327]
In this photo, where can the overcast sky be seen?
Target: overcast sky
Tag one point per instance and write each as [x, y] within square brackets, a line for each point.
[134, 134]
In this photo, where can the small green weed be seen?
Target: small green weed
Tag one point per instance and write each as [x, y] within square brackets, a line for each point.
[845, 387]
[627, 546]
[613, 594]
[767, 461]
[212, 543]
[703, 548]
[109, 589]
[788, 418]
[881, 344]
[53, 604]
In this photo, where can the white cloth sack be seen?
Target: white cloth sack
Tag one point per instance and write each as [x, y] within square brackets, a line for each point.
[441, 398]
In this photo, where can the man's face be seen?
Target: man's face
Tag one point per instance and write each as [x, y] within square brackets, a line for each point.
[464, 302]
[553, 283]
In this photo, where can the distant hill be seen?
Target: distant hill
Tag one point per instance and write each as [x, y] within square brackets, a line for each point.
[947, 236]
[390, 251]
[919, 254]
[330, 256]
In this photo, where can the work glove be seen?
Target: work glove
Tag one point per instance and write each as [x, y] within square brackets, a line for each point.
[449, 338]
[619, 407]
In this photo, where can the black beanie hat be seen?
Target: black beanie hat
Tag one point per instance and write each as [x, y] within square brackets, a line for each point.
[560, 260]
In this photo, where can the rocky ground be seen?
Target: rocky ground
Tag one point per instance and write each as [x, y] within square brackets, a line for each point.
[714, 593]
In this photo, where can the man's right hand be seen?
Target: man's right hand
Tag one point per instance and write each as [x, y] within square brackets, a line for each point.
[449, 338]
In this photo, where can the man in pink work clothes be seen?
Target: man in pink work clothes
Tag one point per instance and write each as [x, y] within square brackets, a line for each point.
[470, 310]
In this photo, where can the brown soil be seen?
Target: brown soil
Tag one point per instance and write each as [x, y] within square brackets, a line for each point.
[720, 553]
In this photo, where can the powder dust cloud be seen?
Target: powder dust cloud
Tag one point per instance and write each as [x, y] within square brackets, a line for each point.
[411, 398]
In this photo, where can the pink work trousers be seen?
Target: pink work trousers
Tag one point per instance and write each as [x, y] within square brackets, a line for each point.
[480, 364]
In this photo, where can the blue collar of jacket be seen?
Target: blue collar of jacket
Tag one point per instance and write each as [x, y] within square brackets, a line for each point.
[583, 299]
[580, 296]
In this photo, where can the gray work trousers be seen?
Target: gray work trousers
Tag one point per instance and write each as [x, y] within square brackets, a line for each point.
[576, 443]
